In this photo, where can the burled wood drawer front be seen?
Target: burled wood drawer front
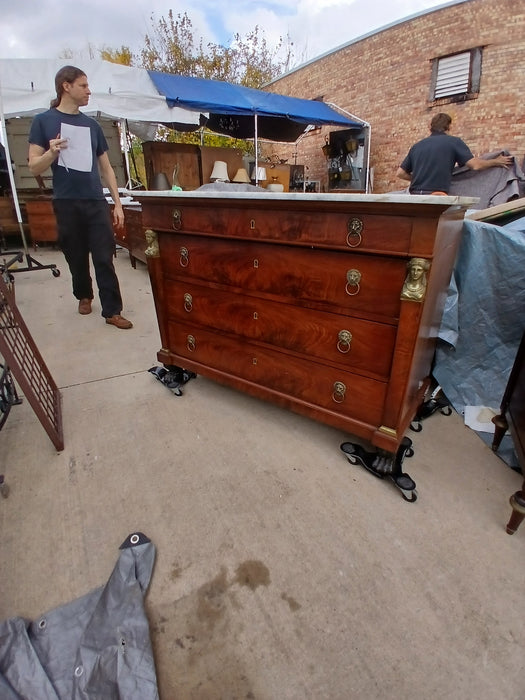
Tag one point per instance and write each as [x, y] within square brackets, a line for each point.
[331, 388]
[356, 344]
[355, 283]
[367, 232]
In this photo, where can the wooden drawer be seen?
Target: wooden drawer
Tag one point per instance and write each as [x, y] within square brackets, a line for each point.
[366, 232]
[303, 276]
[311, 333]
[308, 382]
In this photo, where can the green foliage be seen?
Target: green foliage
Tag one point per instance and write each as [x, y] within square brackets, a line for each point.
[124, 55]
[171, 48]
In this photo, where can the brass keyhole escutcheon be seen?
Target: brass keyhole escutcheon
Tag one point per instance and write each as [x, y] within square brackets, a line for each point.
[353, 282]
[177, 219]
[355, 228]
[339, 391]
[184, 257]
[344, 339]
[190, 343]
[188, 302]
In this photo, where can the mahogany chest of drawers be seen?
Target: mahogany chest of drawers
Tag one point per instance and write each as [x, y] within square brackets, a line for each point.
[326, 304]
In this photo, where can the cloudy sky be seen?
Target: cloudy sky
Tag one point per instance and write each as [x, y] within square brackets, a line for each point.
[45, 28]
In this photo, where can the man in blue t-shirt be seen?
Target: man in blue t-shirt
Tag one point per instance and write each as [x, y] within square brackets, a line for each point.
[430, 162]
[75, 147]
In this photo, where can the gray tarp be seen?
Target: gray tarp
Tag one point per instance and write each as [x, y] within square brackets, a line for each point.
[96, 647]
[484, 316]
[493, 186]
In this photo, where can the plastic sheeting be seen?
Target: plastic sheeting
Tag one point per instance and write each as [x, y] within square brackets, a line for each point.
[484, 316]
[96, 647]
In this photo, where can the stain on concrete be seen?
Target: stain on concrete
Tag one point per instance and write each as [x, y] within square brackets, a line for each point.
[252, 574]
[294, 605]
[73, 470]
[210, 598]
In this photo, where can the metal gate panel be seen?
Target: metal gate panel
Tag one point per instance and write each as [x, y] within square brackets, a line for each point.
[24, 360]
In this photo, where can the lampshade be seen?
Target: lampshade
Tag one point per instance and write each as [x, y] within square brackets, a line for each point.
[241, 176]
[219, 172]
[259, 174]
[160, 182]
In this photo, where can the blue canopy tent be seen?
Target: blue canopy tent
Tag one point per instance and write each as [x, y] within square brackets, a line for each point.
[247, 113]
[232, 108]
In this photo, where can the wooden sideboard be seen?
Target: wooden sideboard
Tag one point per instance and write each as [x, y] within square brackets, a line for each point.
[306, 300]
[512, 417]
[41, 220]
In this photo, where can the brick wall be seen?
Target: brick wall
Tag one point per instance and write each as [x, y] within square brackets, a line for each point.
[384, 79]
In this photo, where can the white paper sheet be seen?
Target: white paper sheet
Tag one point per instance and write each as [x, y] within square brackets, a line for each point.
[78, 154]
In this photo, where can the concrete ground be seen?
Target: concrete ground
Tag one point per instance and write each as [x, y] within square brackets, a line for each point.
[282, 572]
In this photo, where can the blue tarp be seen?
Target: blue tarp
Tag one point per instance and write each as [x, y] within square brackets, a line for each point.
[484, 319]
[232, 107]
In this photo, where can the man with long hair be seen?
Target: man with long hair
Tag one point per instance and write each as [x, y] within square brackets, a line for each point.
[430, 162]
[80, 207]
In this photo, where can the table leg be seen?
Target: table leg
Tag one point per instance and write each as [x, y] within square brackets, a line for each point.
[517, 501]
[501, 427]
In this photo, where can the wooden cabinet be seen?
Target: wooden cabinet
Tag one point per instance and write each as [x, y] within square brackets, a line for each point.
[306, 300]
[193, 164]
[41, 219]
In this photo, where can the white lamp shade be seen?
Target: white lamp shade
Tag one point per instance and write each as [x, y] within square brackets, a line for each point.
[241, 176]
[219, 172]
[259, 174]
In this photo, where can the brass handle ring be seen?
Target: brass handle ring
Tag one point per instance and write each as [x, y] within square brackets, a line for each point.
[353, 280]
[353, 237]
[344, 341]
[184, 257]
[177, 219]
[338, 394]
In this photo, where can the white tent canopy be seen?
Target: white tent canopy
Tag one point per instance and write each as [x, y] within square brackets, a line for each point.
[27, 86]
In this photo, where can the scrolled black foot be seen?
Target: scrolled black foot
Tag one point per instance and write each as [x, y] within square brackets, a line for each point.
[381, 464]
[172, 377]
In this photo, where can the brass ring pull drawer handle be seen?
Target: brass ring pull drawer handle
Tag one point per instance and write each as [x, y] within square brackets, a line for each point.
[353, 282]
[344, 340]
[191, 343]
[184, 257]
[339, 391]
[177, 219]
[355, 228]
[188, 302]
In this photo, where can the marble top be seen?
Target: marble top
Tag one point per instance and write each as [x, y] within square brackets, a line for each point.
[259, 194]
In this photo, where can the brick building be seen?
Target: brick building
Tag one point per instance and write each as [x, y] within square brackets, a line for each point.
[466, 58]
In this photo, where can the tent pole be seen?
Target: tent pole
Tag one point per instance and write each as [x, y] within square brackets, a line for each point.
[32, 264]
[256, 151]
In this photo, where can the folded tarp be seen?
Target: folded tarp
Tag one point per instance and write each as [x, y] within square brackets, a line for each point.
[96, 647]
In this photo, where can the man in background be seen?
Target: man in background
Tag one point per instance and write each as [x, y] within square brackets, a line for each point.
[430, 162]
[75, 148]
